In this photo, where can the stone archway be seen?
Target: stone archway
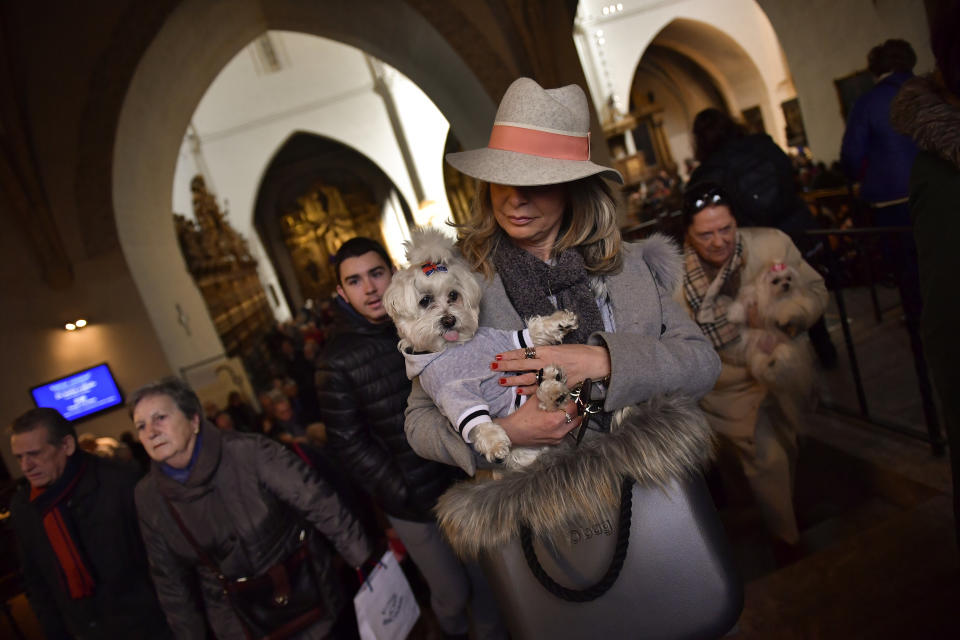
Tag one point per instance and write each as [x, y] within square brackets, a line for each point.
[690, 66]
[732, 41]
[732, 71]
[301, 162]
[195, 41]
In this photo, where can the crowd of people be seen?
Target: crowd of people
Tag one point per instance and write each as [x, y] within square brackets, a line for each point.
[163, 533]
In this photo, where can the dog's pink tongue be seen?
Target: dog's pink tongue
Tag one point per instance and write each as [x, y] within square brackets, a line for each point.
[451, 336]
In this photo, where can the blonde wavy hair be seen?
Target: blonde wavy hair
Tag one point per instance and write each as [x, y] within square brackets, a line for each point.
[589, 223]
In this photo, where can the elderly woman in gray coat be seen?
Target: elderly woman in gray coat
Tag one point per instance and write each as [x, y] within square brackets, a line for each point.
[544, 236]
[238, 501]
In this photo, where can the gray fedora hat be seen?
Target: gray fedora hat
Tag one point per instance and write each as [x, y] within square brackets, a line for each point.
[540, 136]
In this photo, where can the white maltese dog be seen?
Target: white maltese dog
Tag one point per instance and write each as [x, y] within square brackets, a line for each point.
[769, 351]
[435, 305]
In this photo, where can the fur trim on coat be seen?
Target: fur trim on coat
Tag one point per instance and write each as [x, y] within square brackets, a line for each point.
[926, 112]
[665, 260]
[567, 485]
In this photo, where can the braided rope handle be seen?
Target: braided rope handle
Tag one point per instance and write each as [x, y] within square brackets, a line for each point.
[616, 563]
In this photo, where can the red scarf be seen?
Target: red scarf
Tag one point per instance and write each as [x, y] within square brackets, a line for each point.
[58, 526]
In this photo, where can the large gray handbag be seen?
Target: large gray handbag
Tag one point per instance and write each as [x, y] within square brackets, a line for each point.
[671, 576]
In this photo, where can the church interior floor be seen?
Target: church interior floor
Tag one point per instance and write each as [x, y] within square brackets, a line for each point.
[874, 507]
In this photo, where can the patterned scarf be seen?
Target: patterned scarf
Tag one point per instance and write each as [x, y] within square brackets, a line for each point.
[58, 525]
[710, 309]
[530, 282]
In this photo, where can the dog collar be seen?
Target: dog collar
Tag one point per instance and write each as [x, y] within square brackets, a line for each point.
[429, 268]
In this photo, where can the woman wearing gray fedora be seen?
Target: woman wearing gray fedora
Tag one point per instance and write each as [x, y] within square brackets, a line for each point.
[544, 236]
[543, 233]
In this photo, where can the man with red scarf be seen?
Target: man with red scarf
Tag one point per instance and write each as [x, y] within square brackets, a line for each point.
[83, 562]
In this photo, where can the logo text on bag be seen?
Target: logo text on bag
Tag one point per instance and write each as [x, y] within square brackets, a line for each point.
[592, 531]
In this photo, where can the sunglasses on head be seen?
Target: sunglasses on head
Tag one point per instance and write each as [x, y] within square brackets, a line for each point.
[710, 198]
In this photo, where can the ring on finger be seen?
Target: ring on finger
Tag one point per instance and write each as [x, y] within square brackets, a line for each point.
[569, 417]
[530, 353]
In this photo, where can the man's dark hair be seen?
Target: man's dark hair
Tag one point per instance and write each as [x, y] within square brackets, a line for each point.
[57, 426]
[893, 56]
[876, 63]
[713, 128]
[175, 388]
[356, 247]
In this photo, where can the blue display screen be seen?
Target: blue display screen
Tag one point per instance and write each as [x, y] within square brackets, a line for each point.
[80, 394]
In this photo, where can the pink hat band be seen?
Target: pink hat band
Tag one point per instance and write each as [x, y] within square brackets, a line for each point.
[534, 142]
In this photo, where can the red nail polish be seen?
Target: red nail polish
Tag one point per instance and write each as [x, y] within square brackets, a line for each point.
[499, 356]
[503, 381]
[519, 392]
[493, 366]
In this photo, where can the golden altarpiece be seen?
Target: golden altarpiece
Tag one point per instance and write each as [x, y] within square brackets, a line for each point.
[219, 260]
[324, 219]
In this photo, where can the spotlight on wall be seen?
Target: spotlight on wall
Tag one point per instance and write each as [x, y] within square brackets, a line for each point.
[81, 323]
[70, 326]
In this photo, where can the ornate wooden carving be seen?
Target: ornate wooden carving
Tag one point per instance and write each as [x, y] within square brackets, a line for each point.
[324, 219]
[220, 262]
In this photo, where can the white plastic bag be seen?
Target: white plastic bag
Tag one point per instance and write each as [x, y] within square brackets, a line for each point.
[385, 606]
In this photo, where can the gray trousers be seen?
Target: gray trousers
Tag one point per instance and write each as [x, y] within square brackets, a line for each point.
[454, 585]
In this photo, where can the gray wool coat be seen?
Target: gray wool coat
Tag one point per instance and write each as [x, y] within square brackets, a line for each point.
[655, 348]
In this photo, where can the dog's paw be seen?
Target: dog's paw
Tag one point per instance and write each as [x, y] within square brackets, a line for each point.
[522, 456]
[551, 329]
[552, 392]
[491, 441]
[566, 320]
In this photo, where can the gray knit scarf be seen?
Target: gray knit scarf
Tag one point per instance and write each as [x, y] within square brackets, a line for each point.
[529, 283]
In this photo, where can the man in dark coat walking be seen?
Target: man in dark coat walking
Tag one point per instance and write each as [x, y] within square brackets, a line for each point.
[363, 388]
[83, 562]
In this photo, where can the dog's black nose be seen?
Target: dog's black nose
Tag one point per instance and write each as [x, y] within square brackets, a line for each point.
[786, 286]
[448, 322]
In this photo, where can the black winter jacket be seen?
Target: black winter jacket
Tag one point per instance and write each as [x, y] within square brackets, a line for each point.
[363, 388]
[758, 177]
[124, 604]
[244, 502]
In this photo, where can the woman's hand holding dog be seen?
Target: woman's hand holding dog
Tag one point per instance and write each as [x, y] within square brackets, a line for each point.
[528, 426]
[578, 362]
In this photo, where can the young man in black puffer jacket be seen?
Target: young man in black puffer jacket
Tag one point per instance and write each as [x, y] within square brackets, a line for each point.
[362, 386]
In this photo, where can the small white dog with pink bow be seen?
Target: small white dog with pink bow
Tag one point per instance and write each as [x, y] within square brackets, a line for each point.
[768, 346]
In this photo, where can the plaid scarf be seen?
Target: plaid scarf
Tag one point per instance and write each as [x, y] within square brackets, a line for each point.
[710, 309]
[58, 525]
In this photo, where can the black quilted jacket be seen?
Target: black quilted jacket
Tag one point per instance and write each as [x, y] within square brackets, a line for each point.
[363, 388]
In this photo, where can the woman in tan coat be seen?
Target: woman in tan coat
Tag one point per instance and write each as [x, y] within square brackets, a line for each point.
[718, 259]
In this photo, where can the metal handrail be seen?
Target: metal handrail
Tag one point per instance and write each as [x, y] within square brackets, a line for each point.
[933, 436]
